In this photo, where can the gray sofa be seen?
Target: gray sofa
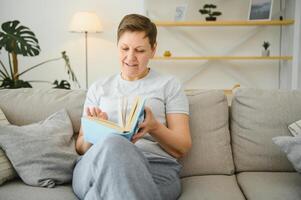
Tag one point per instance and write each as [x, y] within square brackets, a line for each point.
[232, 158]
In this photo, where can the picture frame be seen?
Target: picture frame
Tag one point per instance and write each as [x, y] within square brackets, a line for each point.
[180, 12]
[260, 10]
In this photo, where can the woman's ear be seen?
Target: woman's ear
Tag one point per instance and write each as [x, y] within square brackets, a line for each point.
[154, 48]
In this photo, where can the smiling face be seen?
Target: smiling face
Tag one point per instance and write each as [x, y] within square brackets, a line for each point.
[134, 54]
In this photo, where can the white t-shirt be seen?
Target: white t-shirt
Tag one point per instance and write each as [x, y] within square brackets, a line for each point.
[163, 93]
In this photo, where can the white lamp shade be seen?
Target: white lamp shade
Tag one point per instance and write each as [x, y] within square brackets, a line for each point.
[85, 22]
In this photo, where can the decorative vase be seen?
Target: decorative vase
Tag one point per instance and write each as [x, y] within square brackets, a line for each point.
[265, 52]
[167, 54]
[210, 18]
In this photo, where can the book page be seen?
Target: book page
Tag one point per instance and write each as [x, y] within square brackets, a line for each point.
[122, 111]
[132, 113]
[107, 123]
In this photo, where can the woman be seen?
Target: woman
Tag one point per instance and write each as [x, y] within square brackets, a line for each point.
[145, 168]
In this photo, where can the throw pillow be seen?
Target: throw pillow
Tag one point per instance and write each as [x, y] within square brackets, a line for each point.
[43, 153]
[7, 171]
[291, 146]
[295, 128]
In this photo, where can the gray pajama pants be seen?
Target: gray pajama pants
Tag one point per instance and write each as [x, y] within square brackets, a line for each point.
[114, 169]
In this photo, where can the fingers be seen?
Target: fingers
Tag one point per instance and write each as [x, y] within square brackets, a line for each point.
[146, 112]
[139, 134]
[147, 109]
[96, 112]
[91, 111]
[88, 112]
[103, 115]
[134, 140]
[143, 127]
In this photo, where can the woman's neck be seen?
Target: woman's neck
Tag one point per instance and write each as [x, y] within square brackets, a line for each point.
[140, 76]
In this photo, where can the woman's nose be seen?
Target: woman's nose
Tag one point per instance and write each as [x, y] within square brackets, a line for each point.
[131, 55]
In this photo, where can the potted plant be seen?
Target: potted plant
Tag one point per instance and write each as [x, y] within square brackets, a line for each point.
[266, 51]
[20, 40]
[207, 10]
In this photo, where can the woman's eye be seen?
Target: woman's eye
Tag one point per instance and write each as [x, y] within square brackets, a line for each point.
[141, 50]
[125, 49]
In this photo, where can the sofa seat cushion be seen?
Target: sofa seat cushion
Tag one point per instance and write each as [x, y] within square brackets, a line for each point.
[210, 187]
[16, 189]
[270, 185]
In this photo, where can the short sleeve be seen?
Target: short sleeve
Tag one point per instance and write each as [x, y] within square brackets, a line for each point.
[92, 98]
[175, 98]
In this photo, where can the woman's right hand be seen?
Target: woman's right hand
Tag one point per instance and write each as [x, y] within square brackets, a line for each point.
[96, 112]
[81, 145]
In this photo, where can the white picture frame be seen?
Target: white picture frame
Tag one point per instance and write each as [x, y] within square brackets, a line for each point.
[260, 10]
[180, 12]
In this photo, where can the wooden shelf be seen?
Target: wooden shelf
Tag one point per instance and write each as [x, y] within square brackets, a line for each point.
[224, 58]
[226, 91]
[226, 23]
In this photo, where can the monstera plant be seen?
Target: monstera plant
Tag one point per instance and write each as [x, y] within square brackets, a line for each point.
[20, 40]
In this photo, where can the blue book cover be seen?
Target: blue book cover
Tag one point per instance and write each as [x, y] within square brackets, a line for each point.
[95, 128]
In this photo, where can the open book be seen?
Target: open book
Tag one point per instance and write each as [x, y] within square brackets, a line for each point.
[94, 128]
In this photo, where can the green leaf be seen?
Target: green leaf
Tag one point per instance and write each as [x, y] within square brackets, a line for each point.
[69, 69]
[62, 85]
[209, 6]
[216, 13]
[8, 83]
[206, 6]
[203, 12]
[19, 39]
[4, 72]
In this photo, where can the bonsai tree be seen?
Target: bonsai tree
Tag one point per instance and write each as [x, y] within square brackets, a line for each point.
[20, 40]
[207, 10]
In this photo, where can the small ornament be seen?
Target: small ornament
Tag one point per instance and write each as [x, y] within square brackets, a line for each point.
[167, 54]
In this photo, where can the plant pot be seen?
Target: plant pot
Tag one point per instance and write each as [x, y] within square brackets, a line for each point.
[265, 52]
[210, 18]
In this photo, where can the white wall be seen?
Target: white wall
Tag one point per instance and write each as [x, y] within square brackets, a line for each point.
[236, 41]
[291, 44]
[296, 65]
[49, 19]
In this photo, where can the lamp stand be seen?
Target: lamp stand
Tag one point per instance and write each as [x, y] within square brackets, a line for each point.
[86, 51]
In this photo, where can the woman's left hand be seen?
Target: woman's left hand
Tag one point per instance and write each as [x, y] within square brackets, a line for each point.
[147, 126]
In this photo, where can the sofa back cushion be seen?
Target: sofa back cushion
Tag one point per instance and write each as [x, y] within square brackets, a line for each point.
[256, 117]
[7, 171]
[29, 105]
[211, 150]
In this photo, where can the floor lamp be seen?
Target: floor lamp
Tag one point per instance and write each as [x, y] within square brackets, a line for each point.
[85, 22]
